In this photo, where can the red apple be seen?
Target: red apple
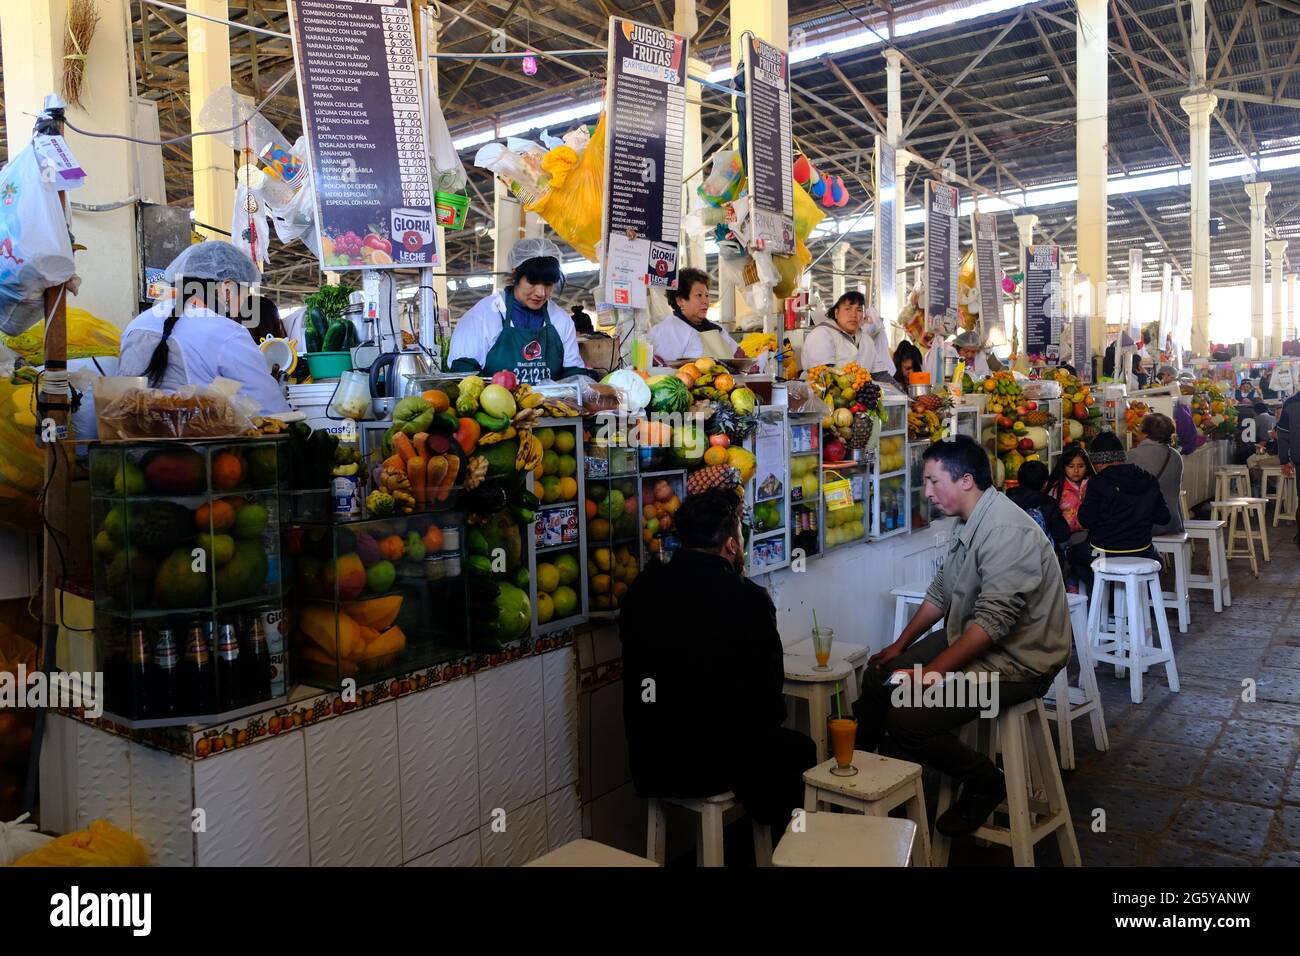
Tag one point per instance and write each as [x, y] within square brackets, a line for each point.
[1026, 444]
[1032, 406]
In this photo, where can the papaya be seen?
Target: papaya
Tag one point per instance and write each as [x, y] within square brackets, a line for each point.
[369, 634]
[314, 655]
[500, 457]
[377, 613]
[392, 641]
[318, 623]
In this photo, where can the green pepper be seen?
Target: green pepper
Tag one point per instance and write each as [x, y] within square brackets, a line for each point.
[446, 421]
[492, 423]
[478, 564]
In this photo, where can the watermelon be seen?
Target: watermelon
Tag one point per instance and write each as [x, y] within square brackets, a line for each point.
[669, 394]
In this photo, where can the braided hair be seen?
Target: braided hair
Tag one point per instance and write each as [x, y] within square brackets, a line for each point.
[185, 290]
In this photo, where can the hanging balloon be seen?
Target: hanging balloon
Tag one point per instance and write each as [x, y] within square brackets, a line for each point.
[838, 193]
[802, 170]
[1007, 285]
[818, 188]
[828, 197]
[530, 66]
[844, 197]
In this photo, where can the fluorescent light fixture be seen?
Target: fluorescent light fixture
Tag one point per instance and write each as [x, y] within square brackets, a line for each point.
[478, 282]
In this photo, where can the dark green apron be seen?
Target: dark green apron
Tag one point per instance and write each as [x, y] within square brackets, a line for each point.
[533, 356]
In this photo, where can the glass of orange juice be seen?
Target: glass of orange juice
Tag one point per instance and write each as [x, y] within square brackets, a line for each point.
[843, 732]
[822, 638]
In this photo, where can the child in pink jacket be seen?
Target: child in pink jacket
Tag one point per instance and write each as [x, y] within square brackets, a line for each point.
[1068, 484]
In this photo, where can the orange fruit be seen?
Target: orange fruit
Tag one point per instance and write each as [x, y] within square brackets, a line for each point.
[601, 584]
[599, 529]
[221, 515]
[591, 509]
[438, 399]
[433, 538]
[227, 471]
[716, 455]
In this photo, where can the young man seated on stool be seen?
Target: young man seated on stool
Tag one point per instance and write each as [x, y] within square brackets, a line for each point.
[1006, 623]
[703, 671]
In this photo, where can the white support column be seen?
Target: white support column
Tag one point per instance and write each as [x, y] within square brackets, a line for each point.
[1198, 107]
[1091, 157]
[508, 215]
[1258, 193]
[208, 68]
[839, 263]
[686, 23]
[1025, 224]
[894, 136]
[1166, 302]
[1290, 332]
[1276, 253]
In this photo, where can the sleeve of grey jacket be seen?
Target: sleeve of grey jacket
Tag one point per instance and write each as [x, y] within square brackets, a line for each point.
[1283, 429]
[1009, 568]
[937, 592]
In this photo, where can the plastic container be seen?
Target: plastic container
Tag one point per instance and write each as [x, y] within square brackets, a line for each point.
[450, 209]
[352, 397]
[325, 366]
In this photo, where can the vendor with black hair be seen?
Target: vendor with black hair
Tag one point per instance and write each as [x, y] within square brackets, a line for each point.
[848, 334]
[688, 333]
[520, 329]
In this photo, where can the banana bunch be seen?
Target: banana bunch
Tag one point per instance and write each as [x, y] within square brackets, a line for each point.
[530, 452]
[559, 408]
[397, 484]
[476, 473]
[491, 438]
[525, 397]
[526, 418]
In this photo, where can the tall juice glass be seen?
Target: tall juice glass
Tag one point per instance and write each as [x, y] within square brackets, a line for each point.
[822, 638]
[844, 731]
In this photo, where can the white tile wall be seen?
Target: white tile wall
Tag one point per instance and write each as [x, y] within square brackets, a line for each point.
[103, 779]
[563, 817]
[255, 800]
[162, 802]
[560, 722]
[523, 838]
[462, 852]
[512, 745]
[437, 737]
[353, 800]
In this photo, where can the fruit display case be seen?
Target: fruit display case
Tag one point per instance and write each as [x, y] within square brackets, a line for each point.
[890, 501]
[557, 567]
[612, 509]
[766, 491]
[187, 572]
[661, 493]
[846, 526]
[804, 500]
[919, 505]
[372, 598]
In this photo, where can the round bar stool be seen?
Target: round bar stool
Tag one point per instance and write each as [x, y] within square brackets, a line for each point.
[1135, 587]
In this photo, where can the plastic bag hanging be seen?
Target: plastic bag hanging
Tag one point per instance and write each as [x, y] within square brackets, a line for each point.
[448, 171]
[35, 248]
[250, 226]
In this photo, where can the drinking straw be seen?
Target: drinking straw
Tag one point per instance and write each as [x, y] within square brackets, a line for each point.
[816, 629]
[839, 693]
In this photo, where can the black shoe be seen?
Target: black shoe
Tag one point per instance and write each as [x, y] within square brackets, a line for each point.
[973, 808]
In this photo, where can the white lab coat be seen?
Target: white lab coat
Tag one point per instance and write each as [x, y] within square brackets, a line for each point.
[480, 327]
[675, 338]
[827, 344]
[203, 346]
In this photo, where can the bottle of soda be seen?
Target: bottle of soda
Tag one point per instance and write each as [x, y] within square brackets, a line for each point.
[199, 694]
[141, 666]
[165, 696]
[256, 661]
[229, 671]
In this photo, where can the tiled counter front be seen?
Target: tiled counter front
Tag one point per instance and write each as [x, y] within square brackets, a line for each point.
[479, 770]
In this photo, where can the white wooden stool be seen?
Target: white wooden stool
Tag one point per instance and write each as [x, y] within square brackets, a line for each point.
[585, 853]
[1035, 806]
[818, 689]
[855, 655]
[1179, 547]
[845, 839]
[1284, 493]
[1238, 513]
[1129, 644]
[708, 835]
[905, 600]
[880, 784]
[1216, 581]
[1231, 481]
[1064, 703]
[1182, 504]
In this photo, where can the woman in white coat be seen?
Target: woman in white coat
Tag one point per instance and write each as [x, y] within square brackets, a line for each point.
[199, 334]
[843, 337]
[968, 348]
[520, 329]
[688, 333]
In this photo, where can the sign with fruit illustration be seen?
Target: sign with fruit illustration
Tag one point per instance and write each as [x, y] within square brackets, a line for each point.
[364, 118]
[1043, 303]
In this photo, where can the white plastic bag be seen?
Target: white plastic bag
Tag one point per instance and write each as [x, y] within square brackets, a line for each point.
[448, 171]
[17, 839]
[297, 218]
[35, 248]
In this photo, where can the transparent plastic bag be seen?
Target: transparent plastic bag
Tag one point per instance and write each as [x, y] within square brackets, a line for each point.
[101, 845]
[19, 838]
[35, 249]
[572, 204]
[189, 412]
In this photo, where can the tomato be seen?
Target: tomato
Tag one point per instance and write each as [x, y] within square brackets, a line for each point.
[376, 241]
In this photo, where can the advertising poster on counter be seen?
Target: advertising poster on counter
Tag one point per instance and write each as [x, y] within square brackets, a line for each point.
[645, 121]
[1043, 304]
[364, 118]
[769, 159]
[941, 257]
[883, 239]
[988, 274]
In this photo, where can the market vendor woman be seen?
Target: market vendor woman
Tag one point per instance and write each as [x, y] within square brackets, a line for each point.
[520, 329]
[688, 333]
[845, 336]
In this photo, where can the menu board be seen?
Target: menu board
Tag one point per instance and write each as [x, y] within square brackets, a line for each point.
[646, 128]
[361, 109]
[988, 274]
[769, 162]
[1043, 304]
[886, 267]
[1082, 347]
[940, 257]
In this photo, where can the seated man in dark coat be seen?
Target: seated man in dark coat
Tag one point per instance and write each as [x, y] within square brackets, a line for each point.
[703, 671]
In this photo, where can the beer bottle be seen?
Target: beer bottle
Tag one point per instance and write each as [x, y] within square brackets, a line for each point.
[165, 696]
[199, 694]
[256, 663]
[229, 672]
[141, 658]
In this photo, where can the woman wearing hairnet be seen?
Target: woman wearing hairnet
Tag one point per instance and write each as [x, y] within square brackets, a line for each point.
[199, 334]
[520, 329]
[968, 347]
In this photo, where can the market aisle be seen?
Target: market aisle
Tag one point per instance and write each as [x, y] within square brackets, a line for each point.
[1199, 777]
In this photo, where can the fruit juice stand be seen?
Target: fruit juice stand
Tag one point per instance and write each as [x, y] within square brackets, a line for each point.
[922, 432]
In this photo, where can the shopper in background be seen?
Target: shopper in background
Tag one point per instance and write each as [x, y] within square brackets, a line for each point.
[1266, 386]
[1068, 484]
[1000, 595]
[688, 333]
[1246, 393]
[704, 716]
[520, 329]
[1166, 375]
[1029, 497]
[845, 335]
[198, 334]
[1121, 507]
[1288, 440]
[907, 359]
[1154, 455]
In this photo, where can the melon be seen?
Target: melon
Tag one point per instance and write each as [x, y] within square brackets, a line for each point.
[1038, 436]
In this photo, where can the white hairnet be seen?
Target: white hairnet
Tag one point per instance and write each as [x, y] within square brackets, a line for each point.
[968, 340]
[532, 248]
[215, 260]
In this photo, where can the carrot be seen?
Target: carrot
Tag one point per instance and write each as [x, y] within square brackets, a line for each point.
[415, 471]
[402, 445]
[435, 473]
[421, 443]
[449, 479]
[394, 462]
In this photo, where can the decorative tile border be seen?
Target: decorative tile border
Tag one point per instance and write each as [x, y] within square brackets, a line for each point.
[209, 742]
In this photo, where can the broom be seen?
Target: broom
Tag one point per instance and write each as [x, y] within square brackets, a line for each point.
[83, 17]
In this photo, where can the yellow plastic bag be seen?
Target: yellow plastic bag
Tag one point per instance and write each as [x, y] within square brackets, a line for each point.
[88, 337]
[101, 845]
[806, 213]
[22, 464]
[572, 204]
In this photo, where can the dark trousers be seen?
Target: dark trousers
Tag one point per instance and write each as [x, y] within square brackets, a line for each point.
[770, 782]
[1080, 557]
[927, 734]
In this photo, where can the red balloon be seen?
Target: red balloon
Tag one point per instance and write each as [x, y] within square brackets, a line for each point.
[802, 170]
